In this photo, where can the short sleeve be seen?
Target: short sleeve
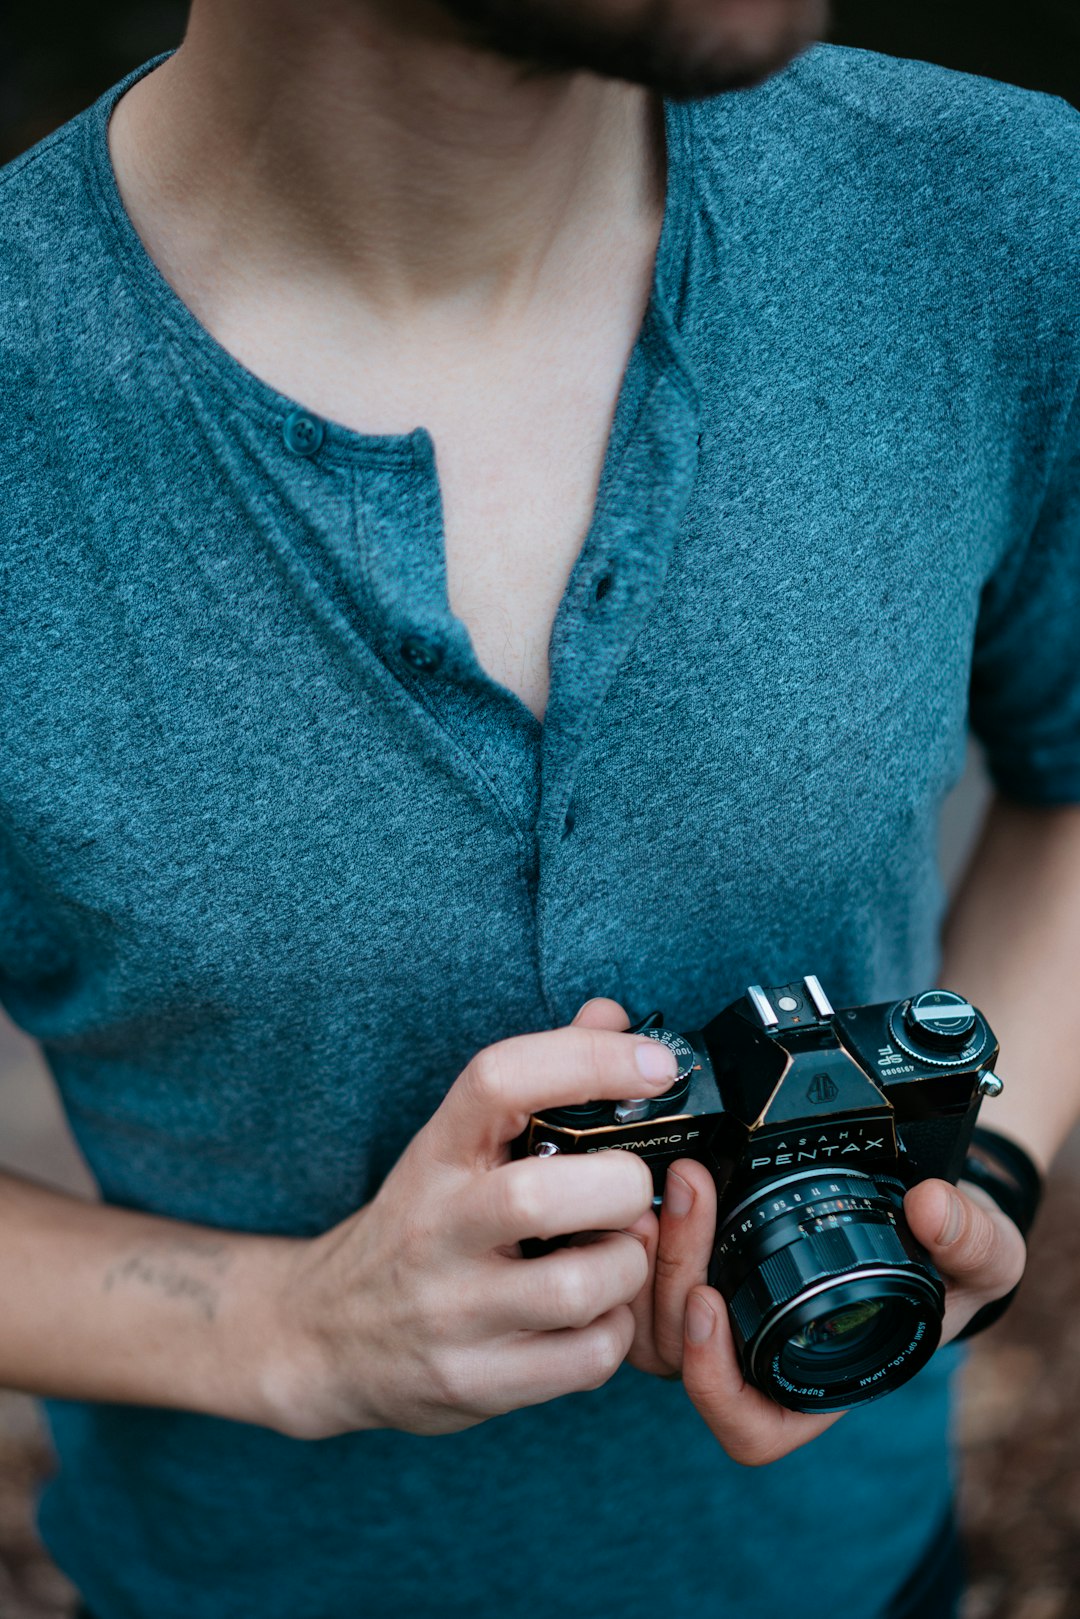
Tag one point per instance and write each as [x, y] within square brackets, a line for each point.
[1025, 677]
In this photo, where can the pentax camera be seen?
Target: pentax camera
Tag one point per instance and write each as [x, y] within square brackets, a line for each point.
[814, 1123]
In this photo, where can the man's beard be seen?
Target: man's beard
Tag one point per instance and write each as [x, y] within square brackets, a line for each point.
[657, 47]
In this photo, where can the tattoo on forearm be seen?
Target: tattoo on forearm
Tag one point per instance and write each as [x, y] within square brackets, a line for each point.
[180, 1269]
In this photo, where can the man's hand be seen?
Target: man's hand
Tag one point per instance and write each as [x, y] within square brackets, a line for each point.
[682, 1325]
[419, 1313]
[416, 1312]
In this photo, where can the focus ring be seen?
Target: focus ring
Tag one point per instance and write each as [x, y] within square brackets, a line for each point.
[815, 1255]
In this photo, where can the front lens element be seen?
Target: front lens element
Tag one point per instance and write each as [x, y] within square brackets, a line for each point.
[840, 1330]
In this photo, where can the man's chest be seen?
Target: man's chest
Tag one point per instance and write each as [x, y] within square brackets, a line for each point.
[521, 423]
[516, 509]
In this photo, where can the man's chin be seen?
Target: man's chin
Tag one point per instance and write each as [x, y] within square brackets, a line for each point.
[736, 45]
[686, 66]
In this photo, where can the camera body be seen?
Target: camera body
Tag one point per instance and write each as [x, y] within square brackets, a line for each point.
[813, 1123]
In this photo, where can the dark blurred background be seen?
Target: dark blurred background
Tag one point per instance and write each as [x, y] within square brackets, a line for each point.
[1020, 1411]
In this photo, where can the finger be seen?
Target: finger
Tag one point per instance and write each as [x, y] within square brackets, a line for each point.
[491, 1100]
[549, 1197]
[752, 1428]
[570, 1288]
[973, 1243]
[643, 1353]
[687, 1237]
[547, 1364]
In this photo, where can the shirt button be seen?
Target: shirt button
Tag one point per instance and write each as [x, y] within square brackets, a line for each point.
[421, 653]
[303, 434]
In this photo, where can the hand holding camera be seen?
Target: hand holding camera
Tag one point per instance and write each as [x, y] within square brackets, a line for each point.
[690, 1332]
[419, 1313]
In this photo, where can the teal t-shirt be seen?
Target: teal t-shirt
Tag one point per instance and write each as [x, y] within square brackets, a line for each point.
[277, 855]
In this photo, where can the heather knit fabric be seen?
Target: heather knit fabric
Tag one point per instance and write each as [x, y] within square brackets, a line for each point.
[277, 856]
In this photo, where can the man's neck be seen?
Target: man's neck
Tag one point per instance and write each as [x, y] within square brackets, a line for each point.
[372, 152]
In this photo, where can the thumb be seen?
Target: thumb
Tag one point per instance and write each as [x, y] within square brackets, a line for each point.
[972, 1242]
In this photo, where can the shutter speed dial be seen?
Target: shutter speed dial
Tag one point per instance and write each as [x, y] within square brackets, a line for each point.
[938, 1026]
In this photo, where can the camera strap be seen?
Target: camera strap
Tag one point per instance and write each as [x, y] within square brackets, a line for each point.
[1004, 1170]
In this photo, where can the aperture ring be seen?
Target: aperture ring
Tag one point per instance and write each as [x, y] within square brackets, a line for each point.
[762, 1192]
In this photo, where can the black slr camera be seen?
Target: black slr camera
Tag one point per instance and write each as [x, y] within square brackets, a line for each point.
[813, 1123]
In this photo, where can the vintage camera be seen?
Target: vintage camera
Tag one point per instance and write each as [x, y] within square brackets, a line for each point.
[813, 1123]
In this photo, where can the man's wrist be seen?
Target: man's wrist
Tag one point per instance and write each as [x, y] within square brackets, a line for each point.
[266, 1361]
[289, 1373]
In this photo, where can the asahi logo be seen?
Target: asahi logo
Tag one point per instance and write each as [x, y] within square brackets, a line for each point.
[822, 1089]
[824, 1150]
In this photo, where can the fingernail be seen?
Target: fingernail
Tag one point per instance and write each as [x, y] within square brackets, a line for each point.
[700, 1319]
[954, 1220]
[655, 1061]
[678, 1195]
[582, 1007]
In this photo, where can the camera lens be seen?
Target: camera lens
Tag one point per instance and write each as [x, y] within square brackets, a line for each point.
[832, 1301]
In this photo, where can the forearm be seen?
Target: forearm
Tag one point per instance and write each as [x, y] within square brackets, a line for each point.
[105, 1304]
[1012, 946]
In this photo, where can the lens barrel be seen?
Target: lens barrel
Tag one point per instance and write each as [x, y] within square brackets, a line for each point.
[832, 1301]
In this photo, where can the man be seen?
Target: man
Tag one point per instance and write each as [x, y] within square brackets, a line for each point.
[346, 757]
